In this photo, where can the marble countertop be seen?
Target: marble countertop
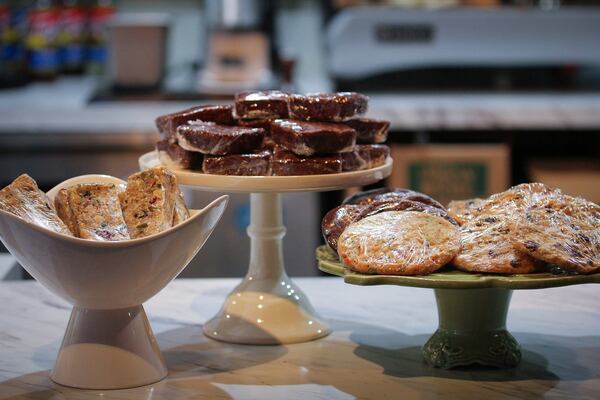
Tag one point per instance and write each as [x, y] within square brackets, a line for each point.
[63, 107]
[373, 353]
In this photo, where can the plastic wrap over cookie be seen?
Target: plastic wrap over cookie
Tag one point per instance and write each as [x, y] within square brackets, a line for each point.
[399, 243]
[387, 194]
[374, 202]
[463, 210]
[24, 199]
[486, 247]
[559, 229]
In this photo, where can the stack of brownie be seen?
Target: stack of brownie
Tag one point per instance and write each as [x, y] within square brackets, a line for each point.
[274, 133]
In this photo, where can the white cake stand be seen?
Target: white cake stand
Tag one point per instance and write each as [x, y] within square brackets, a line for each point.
[267, 307]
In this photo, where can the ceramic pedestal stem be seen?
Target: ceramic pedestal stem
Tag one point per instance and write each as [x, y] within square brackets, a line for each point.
[472, 329]
[108, 349]
[266, 307]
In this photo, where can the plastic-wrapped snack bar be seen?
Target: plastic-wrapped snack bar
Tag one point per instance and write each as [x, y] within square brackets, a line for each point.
[24, 199]
[327, 106]
[148, 203]
[167, 124]
[311, 138]
[173, 155]
[64, 210]
[369, 131]
[352, 161]
[374, 155]
[258, 164]
[365, 156]
[399, 243]
[268, 104]
[256, 123]
[287, 163]
[180, 212]
[213, 139]
[92, 211]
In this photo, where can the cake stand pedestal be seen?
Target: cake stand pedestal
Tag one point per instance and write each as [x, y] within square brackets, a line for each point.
[267, 307]
[472, 310]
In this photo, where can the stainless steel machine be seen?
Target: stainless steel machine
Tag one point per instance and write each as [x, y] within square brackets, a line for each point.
[389, 45]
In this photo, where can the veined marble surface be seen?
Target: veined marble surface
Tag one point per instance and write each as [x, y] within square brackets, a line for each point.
[374, 352]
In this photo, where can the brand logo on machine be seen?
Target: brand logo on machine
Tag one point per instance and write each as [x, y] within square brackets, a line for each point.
[404, 33]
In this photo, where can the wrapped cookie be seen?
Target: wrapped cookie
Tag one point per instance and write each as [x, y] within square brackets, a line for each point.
[559, 229]
[399, 243]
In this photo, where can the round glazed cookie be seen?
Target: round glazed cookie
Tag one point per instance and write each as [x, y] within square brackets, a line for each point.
[399, 243]
[486, 247]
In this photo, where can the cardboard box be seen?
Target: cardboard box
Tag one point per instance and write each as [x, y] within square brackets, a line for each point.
[451, 172]
[574, 177]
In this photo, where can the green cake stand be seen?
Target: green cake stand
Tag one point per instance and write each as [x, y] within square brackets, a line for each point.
[472, 309]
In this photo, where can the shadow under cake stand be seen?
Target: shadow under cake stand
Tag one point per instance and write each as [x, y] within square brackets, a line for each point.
[472, 309]
[267, 307]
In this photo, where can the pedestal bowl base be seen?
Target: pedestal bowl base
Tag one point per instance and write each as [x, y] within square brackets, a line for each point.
[472, 330]
[268, 312]
[108, 349]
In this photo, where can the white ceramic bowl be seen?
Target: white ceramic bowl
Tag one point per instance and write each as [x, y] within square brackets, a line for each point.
[108, 343]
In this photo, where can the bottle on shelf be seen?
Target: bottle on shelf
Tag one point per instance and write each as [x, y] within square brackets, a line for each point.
[97, 52]
[41, 41]
[71, 36]
[13, 28]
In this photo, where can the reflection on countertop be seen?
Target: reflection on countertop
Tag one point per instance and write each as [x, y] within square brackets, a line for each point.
[373, 353]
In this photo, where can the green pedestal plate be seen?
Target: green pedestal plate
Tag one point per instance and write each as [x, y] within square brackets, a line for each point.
[472, 309]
